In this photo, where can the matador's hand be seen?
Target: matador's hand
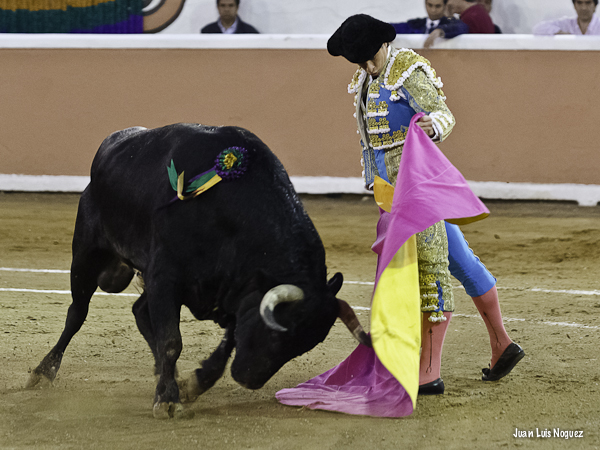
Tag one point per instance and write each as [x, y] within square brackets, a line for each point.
[426, 123]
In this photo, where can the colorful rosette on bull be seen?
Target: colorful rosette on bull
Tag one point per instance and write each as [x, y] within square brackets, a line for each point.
[230, 165]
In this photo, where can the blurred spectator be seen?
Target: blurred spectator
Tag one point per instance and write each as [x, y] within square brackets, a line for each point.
[473, 14]
[487, 4]
[474, 18]
[586, 21]
[436, 20]
[229, 22]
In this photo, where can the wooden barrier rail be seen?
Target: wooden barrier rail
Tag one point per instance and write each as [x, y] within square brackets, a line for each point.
[525, 106]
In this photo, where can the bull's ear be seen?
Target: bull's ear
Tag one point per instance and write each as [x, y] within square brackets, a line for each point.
[335, 284]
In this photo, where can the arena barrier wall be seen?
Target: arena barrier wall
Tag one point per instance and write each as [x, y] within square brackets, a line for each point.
[525, 106]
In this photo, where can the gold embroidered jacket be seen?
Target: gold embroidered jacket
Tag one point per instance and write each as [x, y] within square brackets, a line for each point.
[384, 106]
[408, 78]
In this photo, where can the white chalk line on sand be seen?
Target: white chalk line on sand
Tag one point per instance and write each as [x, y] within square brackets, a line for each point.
[547, 291]
[544, 322]
[508, 319]
[59, 291]
[12, 269]
[363, 283]
[359, 308]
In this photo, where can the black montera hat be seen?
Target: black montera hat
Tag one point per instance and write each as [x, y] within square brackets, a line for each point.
[359, 38]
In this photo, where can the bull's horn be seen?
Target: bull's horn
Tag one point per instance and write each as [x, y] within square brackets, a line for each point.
[347, 316]
[279, 294]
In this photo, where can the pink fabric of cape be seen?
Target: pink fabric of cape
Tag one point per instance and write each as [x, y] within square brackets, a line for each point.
[359, 385]
[429, 189]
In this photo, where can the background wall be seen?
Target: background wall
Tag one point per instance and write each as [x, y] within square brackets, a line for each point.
[521, 114]
[324, 16]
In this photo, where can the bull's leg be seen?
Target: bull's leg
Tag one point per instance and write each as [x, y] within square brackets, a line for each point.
[142, 319]
[84, 273]
[164, 314]
[212, 369]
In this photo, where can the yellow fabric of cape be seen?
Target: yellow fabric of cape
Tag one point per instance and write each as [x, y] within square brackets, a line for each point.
[396, 308]
[428, 189]
[396, 318]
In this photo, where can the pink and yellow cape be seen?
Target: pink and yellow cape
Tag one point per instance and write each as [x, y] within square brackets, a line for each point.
[384, 381]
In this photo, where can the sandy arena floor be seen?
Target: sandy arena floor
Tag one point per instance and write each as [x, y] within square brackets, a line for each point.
[544, 255]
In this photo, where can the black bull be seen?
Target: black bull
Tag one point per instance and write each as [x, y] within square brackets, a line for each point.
[230, 255]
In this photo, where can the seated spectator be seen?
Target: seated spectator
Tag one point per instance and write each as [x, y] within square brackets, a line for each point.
[229, 22]
[425, 25]
[435, 20]
[473, 16]
[487, 4]
[586, 22]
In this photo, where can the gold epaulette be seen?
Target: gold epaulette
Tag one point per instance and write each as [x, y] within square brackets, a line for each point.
[403, 63]
[357, 81]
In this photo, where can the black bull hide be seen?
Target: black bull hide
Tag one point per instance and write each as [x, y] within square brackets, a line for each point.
[219, 254]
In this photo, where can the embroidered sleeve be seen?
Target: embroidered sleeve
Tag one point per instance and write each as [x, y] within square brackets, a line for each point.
[423, 96]
[369, 166]
[357, 81]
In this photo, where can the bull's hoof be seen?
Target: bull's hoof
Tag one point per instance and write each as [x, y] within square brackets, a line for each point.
[45, 373]
[38, 381]
[189, 389]
[169, 410]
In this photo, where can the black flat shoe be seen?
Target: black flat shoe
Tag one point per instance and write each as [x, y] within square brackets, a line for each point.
[436, 387]
[509, 359]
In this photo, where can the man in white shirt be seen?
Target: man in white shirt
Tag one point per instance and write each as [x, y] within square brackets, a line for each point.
[586, 22]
